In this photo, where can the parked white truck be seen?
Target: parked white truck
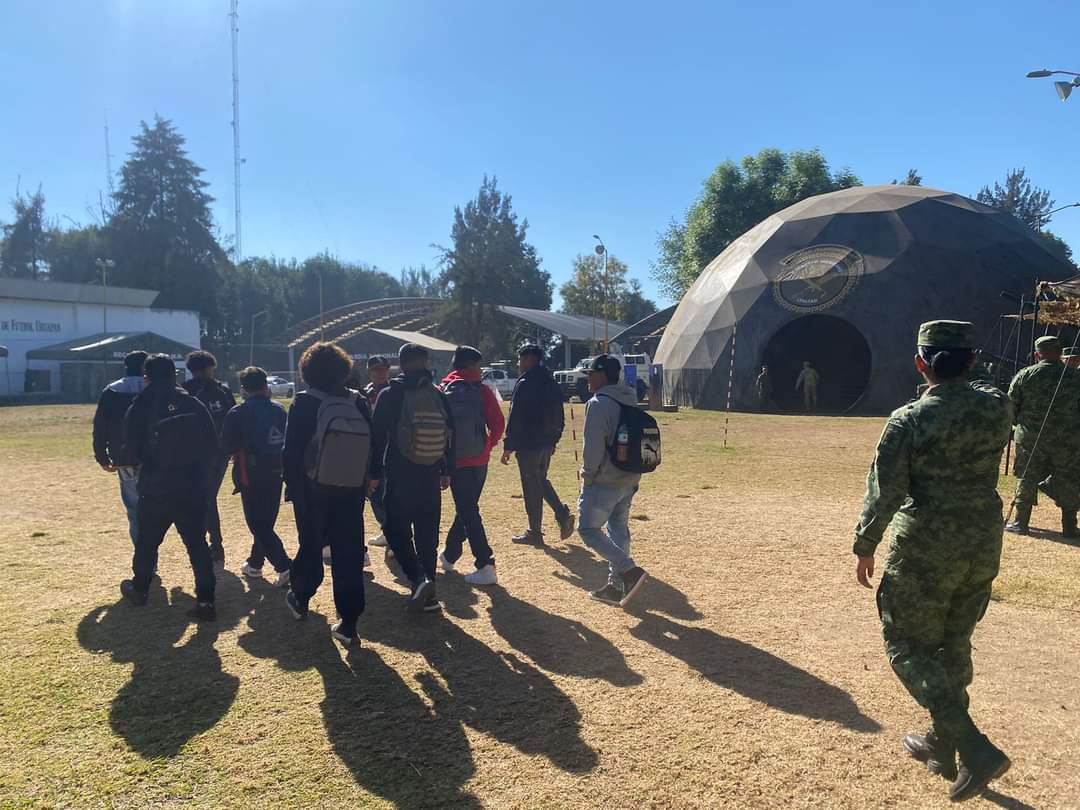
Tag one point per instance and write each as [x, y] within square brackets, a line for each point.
[575, 381]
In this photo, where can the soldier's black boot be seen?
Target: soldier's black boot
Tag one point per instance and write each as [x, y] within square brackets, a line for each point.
[1068, 524]
[1022, 516]
[939, 756]
[981, 762]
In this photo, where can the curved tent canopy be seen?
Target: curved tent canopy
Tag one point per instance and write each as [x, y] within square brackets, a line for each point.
[860, 269]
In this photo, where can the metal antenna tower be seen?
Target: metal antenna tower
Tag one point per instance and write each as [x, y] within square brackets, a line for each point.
[108, 160]
[234, 19]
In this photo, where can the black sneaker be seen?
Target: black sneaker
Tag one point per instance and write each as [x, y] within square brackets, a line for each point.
[432, 605]
[296, 607]
[566, 526]
[133, 594]
[609, 595]
[203, 612]
[632, 582]
[346, 635]
[217, 556]
[529, 538]
[423, 593]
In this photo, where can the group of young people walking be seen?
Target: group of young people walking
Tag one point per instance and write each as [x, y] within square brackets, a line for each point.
[398, 444]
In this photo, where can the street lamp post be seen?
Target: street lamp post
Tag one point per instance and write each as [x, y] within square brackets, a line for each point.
[104, 265]
[251, 347]
[1064, 89]
[601, 250]
[1046, 217]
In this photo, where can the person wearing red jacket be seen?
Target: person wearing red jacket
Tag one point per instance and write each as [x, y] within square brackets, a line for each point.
[478, 426]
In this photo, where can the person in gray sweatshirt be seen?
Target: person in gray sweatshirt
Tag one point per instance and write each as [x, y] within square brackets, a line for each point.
[607, 492]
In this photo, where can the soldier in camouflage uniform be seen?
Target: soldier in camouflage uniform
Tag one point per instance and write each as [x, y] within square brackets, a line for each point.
[1046, 401]
[934, 478]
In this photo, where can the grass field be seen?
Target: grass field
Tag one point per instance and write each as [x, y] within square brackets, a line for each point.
[749, 673]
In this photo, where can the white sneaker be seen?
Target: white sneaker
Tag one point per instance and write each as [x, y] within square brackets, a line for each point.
[445, 563]
[367, 560]
[483, 576]
[282, 580]
[248, 571]
[378, 540]
[326, 555]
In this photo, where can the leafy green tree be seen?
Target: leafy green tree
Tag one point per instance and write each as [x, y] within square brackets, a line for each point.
[490, 263]
[913, 179]
[26, 239]
[1028, 203]
[162, 232]
[586, 291]
[419, 282]
[71, 254]
[735, 198]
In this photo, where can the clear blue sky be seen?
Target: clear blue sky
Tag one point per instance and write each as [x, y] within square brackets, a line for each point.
[365, 123]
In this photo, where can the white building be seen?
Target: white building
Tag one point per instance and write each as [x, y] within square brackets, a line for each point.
[69, 340]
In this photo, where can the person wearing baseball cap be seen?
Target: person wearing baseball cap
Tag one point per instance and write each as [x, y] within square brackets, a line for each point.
[934, 480]
[1044, 397]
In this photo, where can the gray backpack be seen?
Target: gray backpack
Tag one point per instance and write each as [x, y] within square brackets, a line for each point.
[423, 431]
[340, 449]
[470, 422]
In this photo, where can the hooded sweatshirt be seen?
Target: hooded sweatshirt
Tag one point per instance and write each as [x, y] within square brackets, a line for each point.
[493, 416]
[109, 419]
[601, 422]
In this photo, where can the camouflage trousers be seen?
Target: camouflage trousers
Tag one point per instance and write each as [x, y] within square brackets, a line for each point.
[928, 610]
[1061, 461]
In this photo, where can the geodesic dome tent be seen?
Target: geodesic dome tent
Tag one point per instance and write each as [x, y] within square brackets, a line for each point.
[843, 281]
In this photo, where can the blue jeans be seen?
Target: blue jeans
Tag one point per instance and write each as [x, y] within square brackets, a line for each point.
[602, 504]
[129, 494]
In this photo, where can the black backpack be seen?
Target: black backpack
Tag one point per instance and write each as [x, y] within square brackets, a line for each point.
[178, 432]
[552, 417]
[636, 448]
[470, 423]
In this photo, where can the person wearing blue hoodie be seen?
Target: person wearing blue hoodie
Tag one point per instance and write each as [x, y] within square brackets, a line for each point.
[608, 492]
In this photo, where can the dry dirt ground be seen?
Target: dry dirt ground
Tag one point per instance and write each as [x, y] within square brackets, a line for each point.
[750, 673]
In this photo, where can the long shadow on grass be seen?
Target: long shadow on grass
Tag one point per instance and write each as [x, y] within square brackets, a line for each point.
[498, 694]
[589, 572]
[753, 673]
[175, 692]
[557, 644]
[384, 733]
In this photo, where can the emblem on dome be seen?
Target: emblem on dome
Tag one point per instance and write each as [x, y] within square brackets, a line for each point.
[816, 278]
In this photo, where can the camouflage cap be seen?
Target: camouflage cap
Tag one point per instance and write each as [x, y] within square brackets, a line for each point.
[1047, 342]
[947, 334]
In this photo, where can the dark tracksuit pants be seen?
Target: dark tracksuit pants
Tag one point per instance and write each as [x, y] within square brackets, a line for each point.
[413, 507]
[535, 487]
[213, 518]
[261, 499]
[187, 511]
[466, 485]
[378, 504]
[335, 518]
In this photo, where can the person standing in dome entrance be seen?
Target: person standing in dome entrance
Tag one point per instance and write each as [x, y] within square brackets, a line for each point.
[1044, 398]
[808, 380]
[934, 481]
[218, 400]
[764, 389]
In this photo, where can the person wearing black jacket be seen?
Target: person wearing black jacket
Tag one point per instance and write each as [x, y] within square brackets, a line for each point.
[414, 490]
[532, 432]
[378, 368]
[254, 435]
[219, 400]
[108, 437]
[170, 435]
[325, 515]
